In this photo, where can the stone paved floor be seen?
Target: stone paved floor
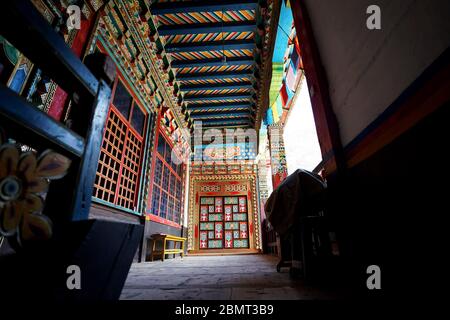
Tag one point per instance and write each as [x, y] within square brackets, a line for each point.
[250, 277]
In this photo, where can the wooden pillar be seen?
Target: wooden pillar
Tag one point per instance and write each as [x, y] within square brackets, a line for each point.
[277, 154]
[325, 119]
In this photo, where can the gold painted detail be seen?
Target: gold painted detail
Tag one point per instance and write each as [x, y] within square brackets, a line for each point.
[24, 180]
[195, 186]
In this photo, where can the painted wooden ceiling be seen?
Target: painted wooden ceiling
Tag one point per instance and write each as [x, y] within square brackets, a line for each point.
[214, 48]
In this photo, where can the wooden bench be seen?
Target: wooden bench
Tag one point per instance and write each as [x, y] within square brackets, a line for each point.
[164, 238]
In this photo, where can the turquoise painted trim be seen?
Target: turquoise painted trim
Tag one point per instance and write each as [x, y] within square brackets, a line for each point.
[103, 202]
[144, 167]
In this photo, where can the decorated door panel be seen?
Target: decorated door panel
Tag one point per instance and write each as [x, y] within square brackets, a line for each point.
[224, 222]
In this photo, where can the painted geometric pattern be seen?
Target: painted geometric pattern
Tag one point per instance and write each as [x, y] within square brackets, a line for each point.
[206, 17]
[231, 200]
[209, 109]
[220, 116]
[198, 37]
[207, 201]
[189, 60]
[206, 81]
[213, 69]
[223, 222]
[198, 100]
[211, 54]
[240, 243]
[216, 91]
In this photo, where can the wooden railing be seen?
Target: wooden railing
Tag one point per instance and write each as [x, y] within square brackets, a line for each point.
[103, 250]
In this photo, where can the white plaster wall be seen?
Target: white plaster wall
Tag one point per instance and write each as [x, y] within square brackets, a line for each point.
[368, 69]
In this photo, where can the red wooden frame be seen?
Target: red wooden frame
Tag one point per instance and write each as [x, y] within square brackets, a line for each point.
[120, 185]
[150, 216]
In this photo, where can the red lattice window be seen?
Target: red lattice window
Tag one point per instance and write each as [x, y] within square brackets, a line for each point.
[117, 179]
[167, 199]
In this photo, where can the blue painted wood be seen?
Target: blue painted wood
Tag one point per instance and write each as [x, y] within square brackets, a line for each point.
[32, 35]
[225, 122]
[228, 125]
[217, 75]
[212, 63]
[210, 46]
[217, 97]
[220, 106]
[222, 112]
[30, 122]
[88, 167]
[202, 6]
[212, 116]
[220, 86]
[242, 26]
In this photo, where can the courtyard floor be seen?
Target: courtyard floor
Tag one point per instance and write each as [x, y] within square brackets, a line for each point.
[234, 277]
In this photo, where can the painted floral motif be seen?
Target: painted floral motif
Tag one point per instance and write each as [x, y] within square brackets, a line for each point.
[24, 179]
[228, 239]
[219, 228]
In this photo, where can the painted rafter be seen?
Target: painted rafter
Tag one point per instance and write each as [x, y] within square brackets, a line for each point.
[220, 108]
[210, 46]
[225, 122]
[135, 26]
[215, 75]
[236, 86]
[220, 115]
[241, 26]
[222, 105]
[217, 97]
[190, 85]
[234, 116]
[213, 63]
[202, 6]
[223, 112]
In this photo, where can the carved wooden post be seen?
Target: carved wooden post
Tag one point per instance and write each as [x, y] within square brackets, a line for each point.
[277, 154]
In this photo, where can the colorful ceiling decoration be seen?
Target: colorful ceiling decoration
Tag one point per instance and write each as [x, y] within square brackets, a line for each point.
[215, 50]
[286, 70]
[234, 151]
